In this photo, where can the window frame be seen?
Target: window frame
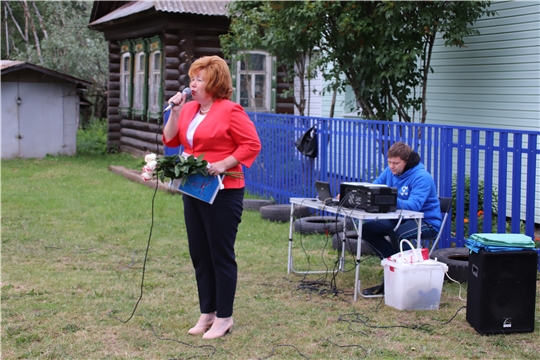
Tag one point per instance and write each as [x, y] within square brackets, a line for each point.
[140, 78]
[269, 101]
[126, 78]
[155, 83]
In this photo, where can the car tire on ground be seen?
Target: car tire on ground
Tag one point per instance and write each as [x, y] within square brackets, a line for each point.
[256, 204]
[319, 225]
[282, 212]
[457, 260]
[351, 243]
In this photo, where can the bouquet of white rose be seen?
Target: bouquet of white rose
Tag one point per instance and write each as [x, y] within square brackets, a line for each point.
[173, 167]
[178, 167]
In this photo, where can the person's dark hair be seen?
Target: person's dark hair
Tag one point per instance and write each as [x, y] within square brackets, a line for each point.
[400, 150]
[218, 77]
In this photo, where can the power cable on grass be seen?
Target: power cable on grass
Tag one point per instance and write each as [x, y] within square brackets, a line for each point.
[186, 344]
[147, 245]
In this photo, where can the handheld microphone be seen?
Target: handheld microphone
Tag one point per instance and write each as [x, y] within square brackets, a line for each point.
[186, 91]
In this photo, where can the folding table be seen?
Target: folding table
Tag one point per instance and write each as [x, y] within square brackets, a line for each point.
[361, 215]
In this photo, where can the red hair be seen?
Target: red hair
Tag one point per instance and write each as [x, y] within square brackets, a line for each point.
[218, 81]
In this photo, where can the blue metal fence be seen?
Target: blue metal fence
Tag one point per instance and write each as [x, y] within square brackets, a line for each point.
[487, 171]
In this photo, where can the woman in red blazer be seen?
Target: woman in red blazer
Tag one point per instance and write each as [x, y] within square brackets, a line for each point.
[221, 130]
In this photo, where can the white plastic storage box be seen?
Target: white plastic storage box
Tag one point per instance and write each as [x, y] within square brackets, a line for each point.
[414, 286]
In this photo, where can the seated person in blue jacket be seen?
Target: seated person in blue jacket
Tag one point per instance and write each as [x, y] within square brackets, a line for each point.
[416, 192]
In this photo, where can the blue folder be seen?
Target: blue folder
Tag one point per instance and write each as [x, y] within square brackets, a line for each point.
[204, 188]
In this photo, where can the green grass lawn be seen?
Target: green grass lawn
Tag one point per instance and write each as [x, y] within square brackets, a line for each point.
[74, 237]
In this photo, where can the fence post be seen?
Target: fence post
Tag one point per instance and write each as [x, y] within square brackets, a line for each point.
[533, 163]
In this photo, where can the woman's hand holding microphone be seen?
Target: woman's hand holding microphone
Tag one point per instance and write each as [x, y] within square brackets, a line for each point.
[175, 105]
[178, 99]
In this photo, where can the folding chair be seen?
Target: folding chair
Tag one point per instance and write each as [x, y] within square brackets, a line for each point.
[445, 203]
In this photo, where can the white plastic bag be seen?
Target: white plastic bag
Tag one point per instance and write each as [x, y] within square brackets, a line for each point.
[409, 256]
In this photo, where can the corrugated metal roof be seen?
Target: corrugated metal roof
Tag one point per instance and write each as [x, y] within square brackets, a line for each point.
[126, 10]
[10, 63]
[201, 7]
[11, 66]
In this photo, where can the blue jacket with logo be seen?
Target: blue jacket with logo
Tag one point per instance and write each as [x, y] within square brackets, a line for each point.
[416, 192]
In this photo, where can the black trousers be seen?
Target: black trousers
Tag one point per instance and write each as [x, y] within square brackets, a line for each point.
[211, 230]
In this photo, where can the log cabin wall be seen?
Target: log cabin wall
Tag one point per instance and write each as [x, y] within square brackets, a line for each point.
[185, 37]
[131, 135]
[180, 47]
[180, 50]
[113, 99]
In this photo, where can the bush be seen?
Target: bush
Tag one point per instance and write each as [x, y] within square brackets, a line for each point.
[92, 140]
[480, 202]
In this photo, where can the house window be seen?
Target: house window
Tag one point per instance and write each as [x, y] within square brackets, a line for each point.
[154, 83]
[154, 78]
[125, 78]
[138, 84]
[254, 75]
[141, 65]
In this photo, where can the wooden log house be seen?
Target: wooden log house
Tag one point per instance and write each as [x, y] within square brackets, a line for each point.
[151, 47]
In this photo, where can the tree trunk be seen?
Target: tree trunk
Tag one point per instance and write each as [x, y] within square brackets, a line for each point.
[30, 21]
[23, 35]
[43, 30]
[333, 105]
[7, 32]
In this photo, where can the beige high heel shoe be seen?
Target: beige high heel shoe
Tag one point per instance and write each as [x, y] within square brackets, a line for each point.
[204, 323]
[220, 327]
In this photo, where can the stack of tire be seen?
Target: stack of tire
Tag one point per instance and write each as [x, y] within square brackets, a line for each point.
[304, 223]
[282, 212]
[351, 243]
[256, 204]
[319, 225]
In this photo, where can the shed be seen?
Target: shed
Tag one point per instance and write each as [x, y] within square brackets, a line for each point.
[40, 111]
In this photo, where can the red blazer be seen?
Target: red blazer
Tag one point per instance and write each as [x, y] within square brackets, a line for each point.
[226, 130]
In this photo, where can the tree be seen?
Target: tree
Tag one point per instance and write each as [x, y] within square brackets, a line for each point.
[22, 12]
[62, 42]
[392, 44]
[281, 29]
[381, 49]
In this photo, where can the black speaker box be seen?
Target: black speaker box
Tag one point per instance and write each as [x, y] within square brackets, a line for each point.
[501, 291]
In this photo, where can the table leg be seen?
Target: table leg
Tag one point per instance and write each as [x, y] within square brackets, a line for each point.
[358, 254]
[342, 258]
[357, 282]
[290, 265]
[419, 235]
[289, 258]
[341, 266]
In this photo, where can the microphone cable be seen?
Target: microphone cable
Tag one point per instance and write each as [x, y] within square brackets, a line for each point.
[148, 243]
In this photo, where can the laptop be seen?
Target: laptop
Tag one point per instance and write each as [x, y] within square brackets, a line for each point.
[324, 194]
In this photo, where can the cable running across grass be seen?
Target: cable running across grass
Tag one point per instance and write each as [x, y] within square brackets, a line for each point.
[358, 318]
[184, 343]
[147, 246]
